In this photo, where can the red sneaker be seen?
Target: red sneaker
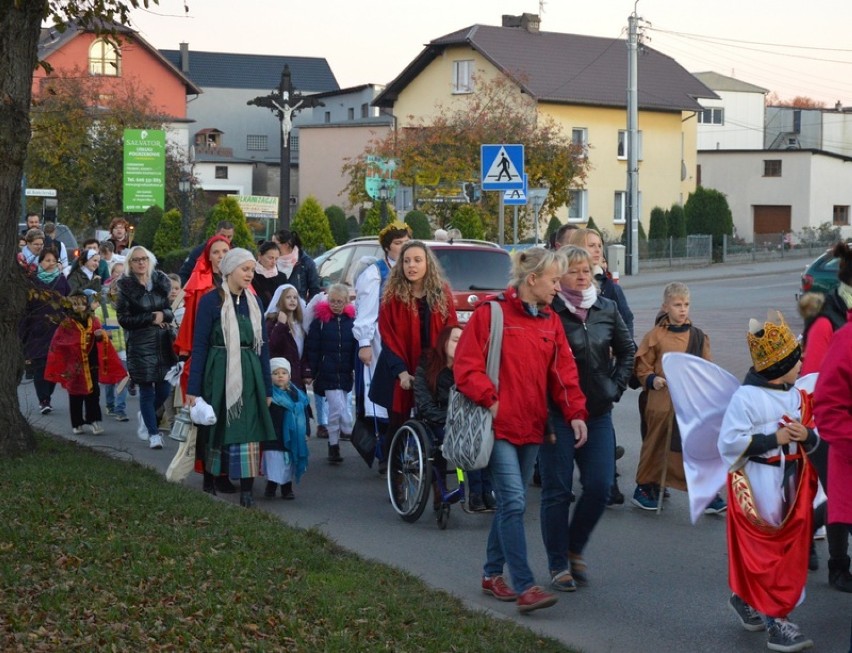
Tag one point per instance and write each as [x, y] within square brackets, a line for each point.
[496, 587]
[535, 598]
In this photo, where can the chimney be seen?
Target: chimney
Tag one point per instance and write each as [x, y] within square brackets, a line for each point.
[528, 22]
[184, 58]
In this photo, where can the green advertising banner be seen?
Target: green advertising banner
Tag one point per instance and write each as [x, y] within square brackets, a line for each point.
[144, 169]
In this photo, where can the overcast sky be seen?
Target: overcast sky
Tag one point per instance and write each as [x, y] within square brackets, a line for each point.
[790, 47]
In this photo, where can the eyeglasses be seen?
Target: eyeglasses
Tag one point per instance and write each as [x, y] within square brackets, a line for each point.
[139, 259]
[337, 302]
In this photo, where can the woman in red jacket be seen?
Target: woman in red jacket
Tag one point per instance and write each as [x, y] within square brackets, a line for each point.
[417, 303]
[536, 368]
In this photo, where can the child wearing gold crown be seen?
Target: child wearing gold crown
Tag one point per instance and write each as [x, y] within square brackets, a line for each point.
[766, 434]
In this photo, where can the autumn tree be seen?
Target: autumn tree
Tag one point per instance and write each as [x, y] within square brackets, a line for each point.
[77, 145]
[20, 27]
[797, 102]
[436, 156]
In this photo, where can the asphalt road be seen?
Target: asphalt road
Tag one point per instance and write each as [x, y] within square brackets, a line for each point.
[658, 583]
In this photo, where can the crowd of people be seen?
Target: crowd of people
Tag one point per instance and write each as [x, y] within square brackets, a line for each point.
[251, 334]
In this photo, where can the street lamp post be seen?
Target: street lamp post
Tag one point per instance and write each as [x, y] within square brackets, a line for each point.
[383, 198]
[184, 188]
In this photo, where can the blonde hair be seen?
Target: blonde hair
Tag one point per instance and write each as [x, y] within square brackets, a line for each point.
[339, 289]
[133, 251]
[578, 237]
[675, 289]
[574, 254]
[434, 283]
[534, 260]
[297, 312]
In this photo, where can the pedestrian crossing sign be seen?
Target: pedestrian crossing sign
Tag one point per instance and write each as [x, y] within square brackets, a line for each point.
[502, 167]
[516, 196]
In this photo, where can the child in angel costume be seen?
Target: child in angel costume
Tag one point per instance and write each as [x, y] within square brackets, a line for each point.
[765, 434]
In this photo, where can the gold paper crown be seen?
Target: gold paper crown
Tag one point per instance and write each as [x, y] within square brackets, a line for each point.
[773, 345]
[396, 225]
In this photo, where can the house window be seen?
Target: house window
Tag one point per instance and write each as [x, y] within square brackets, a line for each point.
[104, 58]
[619, 213]
[327, 117]
[257, 142]
[463, 76]
[365, 110]
[294, 142]
[221, 172]
[350, 113]
[711, 117]
[772, 167]
[841, 215]
[580, 138]
[578, 205]
[622, 144]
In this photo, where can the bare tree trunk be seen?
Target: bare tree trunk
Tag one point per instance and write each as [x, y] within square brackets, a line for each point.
[20, 24]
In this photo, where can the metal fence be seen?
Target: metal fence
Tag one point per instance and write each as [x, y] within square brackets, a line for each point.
[699, 250]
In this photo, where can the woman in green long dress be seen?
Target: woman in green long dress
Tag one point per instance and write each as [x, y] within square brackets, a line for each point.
[230, 371]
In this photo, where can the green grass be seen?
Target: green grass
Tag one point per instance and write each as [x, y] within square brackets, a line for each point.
[102, 555]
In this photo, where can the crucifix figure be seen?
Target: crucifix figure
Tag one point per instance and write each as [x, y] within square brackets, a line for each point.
[284, 114]
[283, 102]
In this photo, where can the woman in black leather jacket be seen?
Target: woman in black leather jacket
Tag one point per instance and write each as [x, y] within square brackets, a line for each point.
[603, 350]
[145, 313]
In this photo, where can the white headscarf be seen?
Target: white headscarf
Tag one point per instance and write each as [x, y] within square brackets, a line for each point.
[231, 331]
[298, 330]
[278, 363]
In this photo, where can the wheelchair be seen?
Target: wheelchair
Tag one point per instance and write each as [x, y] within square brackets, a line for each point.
[415, 464]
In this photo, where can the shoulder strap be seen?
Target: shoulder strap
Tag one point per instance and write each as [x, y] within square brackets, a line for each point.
[495, 343]
[384, 272]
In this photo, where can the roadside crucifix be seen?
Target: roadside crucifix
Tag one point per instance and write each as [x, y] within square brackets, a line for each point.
[283, 102]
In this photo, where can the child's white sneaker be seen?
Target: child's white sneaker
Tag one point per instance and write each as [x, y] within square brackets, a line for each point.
[96, 427]
[155, 442]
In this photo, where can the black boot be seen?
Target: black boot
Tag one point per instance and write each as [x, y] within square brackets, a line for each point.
[287, 492]
[209, 484]
[813, 559]
[334, 454]
[224, 485]
[246, 499]
[838, 574]
[269, 492]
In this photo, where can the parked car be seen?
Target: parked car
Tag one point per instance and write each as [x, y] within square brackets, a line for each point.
[474, 268]
[65, 236]
[821, 275]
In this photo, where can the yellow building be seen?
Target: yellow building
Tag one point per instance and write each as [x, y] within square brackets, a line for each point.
[581, 82]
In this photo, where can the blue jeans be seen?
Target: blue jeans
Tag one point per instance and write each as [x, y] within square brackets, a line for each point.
[116, 403]
[151, 397]
[511, 470]
[596, 460]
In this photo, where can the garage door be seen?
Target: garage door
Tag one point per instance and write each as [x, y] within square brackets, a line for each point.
[772, 219]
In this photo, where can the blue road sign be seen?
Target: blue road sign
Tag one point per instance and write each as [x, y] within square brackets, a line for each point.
[502, 167]
[516, 197]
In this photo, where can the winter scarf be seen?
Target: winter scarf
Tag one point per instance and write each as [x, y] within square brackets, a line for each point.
[579, 301]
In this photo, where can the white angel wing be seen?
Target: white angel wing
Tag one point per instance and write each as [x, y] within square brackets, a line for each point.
[701, 392]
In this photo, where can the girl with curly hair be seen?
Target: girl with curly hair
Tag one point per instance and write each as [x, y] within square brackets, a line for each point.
[416, 305]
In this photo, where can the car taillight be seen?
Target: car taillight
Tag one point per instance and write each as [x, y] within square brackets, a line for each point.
[807, 282]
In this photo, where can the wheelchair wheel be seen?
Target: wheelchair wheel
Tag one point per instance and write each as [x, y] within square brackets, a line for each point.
[409, 470]
[443, 516]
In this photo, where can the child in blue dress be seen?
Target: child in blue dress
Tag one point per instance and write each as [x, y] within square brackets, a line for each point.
[286, 458]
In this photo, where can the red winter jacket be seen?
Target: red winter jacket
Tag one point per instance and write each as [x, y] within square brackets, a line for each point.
[536, 362]
[833, 413]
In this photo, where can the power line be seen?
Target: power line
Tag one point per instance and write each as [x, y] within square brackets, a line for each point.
[777, 45]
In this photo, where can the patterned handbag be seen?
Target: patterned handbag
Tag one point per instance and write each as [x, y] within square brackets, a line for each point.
[468, 435]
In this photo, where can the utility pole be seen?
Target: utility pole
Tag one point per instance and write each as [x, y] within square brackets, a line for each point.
[283, 102]
[632, 200]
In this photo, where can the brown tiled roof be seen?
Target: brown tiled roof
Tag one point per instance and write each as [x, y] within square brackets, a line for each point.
[567, 69]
